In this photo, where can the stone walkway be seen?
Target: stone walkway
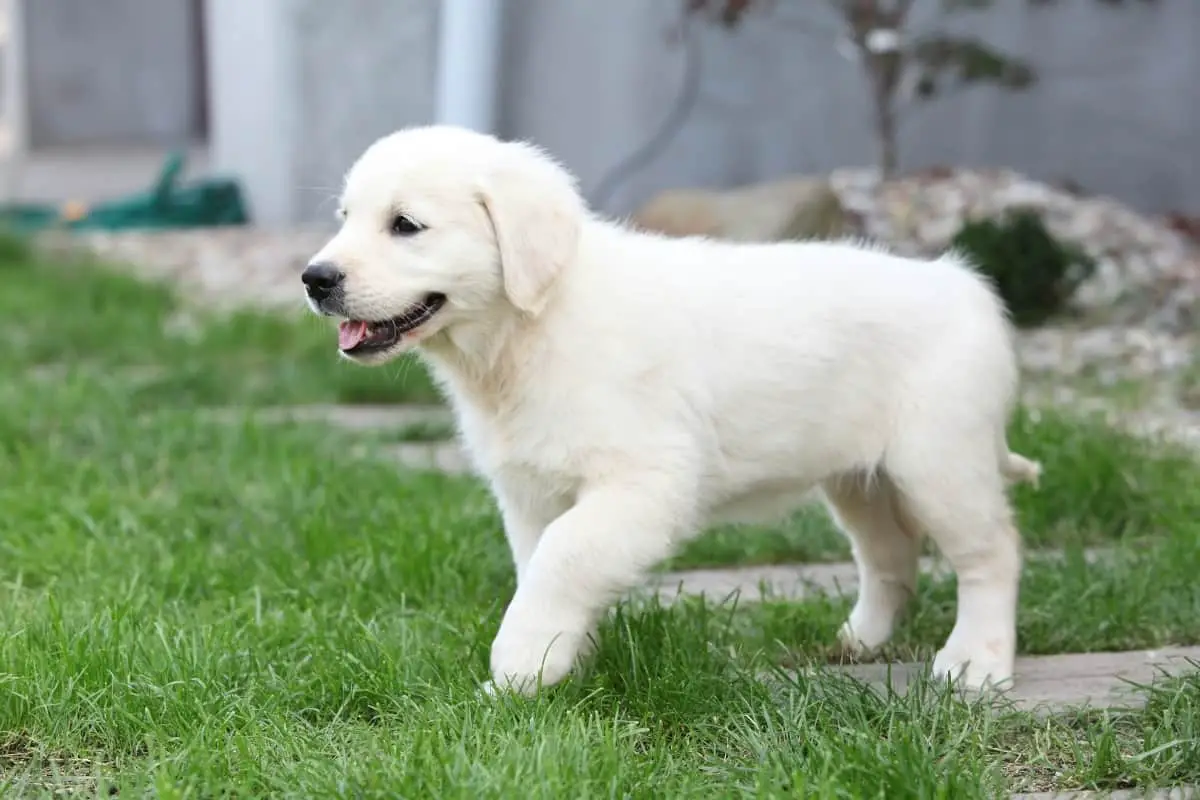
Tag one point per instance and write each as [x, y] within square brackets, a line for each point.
[1046, 684]
[1055, 683]
[1178, 793]
[794, 581]
[348, 417]
[440, 456]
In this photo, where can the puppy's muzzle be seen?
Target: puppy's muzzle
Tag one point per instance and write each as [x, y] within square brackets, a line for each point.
[323, 284]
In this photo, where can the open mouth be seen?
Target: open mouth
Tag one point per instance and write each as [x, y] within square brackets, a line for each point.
[357, 336]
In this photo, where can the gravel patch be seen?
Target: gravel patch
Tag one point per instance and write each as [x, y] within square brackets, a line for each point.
[229, 267]
[1148, 273]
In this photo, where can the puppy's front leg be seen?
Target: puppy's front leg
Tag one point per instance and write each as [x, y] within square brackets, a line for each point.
[526, 513]
[586, 559]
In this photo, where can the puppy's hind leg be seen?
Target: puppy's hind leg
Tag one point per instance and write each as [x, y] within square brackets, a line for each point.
[886, 552]
[953, 486]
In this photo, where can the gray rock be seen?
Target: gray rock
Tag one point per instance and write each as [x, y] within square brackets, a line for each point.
[793, 208]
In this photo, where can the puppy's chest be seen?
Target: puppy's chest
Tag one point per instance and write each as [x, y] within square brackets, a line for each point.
[525, 442]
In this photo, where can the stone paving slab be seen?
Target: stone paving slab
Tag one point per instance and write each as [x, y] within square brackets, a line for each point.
[1058, 682]
[795, 581]
[751, 584]
[347, 416]
[444, 457]
[1178, 793]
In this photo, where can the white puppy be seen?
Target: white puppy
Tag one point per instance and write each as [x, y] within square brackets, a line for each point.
[620, 391]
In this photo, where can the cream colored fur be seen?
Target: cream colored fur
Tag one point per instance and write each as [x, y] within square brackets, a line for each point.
[620, 391]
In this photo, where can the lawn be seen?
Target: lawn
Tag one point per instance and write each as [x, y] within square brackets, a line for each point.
[200, 609]
[87, 321]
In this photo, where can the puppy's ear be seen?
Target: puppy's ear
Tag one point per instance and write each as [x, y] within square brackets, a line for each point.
[537, 214]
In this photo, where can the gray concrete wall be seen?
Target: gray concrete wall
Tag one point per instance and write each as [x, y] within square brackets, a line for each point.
[362, 72]
[1117, 109]
[103, 72]
[297, 88]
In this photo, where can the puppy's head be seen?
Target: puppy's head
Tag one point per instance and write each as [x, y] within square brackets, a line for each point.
[442, 227]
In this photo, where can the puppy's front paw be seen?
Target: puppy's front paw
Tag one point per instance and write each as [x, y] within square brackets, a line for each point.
[865, 631]
[528, 655]
[976, 666]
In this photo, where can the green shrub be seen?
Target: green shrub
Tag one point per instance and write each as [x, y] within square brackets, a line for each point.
[1035, 273]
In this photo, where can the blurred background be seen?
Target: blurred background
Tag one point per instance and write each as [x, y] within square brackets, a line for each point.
[284, 93]
[1056, 141]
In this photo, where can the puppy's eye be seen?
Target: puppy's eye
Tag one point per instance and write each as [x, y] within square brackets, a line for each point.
[404, 225]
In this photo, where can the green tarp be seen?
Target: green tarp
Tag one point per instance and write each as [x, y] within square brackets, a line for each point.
[167, 204]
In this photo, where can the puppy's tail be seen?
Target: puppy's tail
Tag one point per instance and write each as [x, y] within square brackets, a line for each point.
[1019, 469]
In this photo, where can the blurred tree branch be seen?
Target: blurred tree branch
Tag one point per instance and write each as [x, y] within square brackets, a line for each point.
[898, 68]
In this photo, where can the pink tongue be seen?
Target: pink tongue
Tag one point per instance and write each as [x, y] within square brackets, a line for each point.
[351, 333]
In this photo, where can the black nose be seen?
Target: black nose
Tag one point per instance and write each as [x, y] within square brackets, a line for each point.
[321, 279]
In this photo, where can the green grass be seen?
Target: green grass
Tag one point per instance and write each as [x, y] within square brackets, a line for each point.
[197, 609]
[420, 432]
[83, 318]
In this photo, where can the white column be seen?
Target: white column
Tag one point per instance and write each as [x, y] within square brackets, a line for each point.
[469, 37]
[15, 134]
[297, 89]
[252, 133]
